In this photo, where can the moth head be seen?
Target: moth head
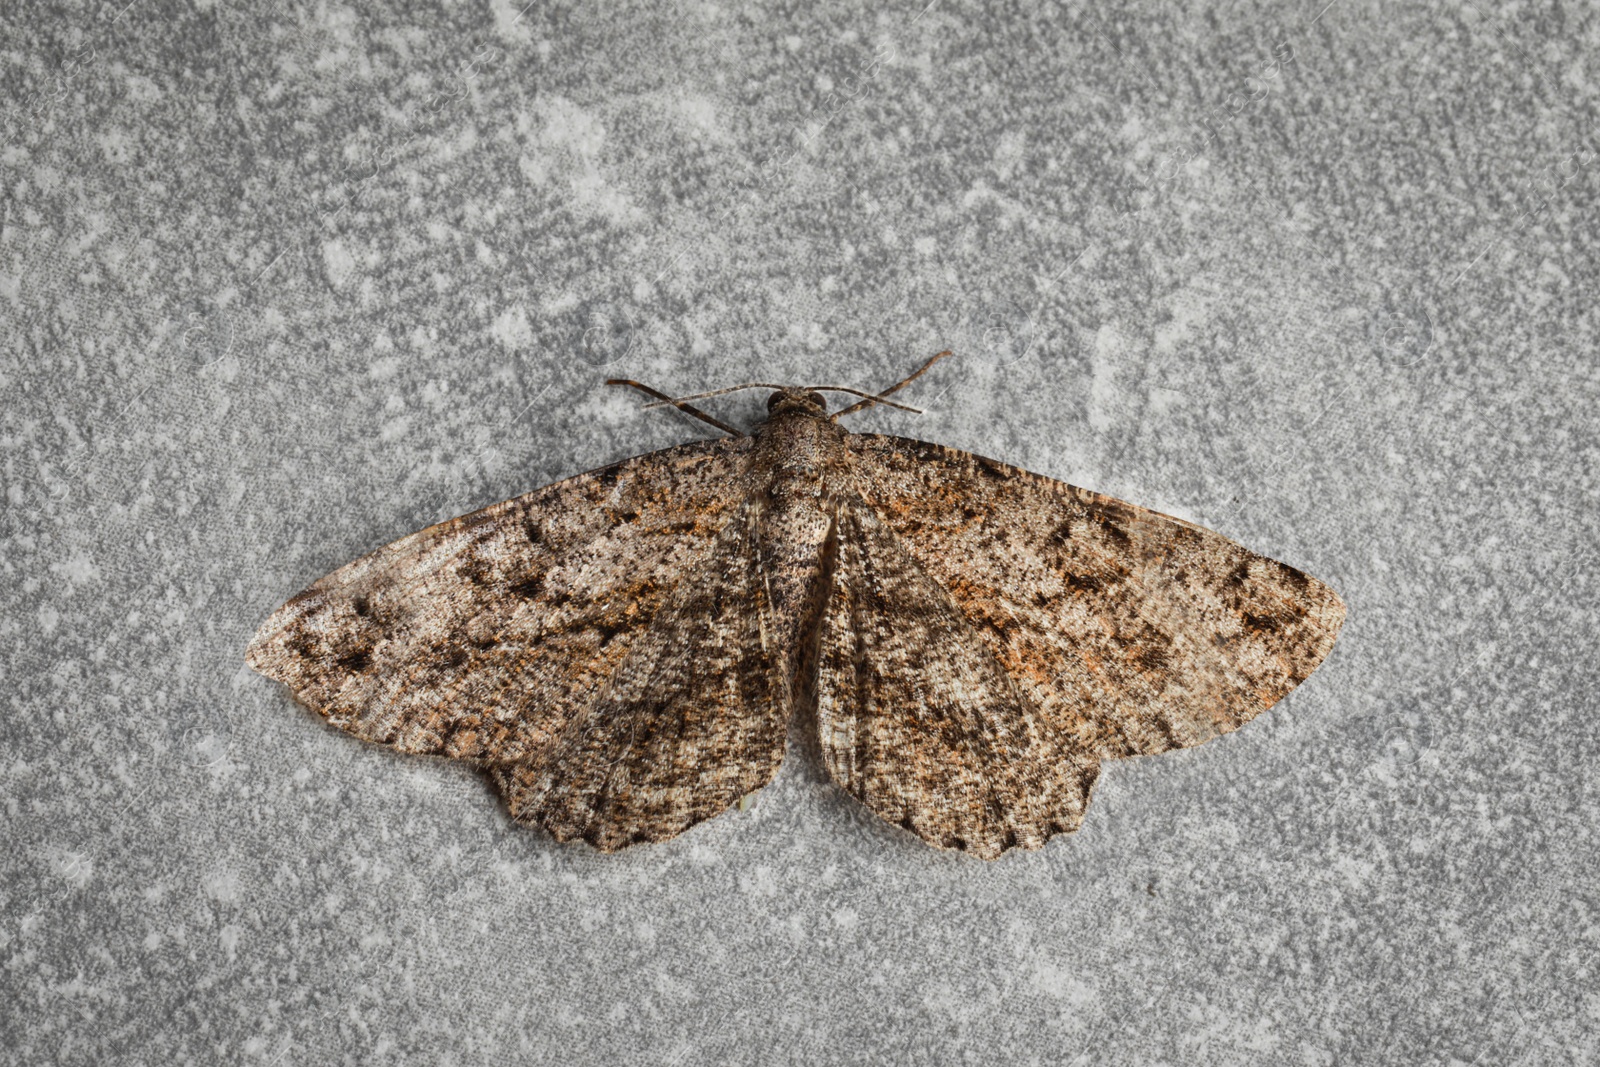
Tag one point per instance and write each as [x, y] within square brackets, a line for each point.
[802, 401]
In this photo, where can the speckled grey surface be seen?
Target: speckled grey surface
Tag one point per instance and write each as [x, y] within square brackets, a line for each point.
[282, 282]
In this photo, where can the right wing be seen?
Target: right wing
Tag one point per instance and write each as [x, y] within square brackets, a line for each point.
[919, 721]
[1132, 631]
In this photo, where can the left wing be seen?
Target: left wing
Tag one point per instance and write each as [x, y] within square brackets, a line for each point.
[481, 636]
[595, 642]
[692, 719]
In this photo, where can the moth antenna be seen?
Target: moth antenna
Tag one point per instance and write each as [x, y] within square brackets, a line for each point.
[860, 392]
[901, 384]
[728, 389]
[769, 385]
[679, 404]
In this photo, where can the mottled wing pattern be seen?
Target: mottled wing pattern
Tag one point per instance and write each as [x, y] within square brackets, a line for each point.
[919, 721]
[691, 720]
[486, 636]
[1130, 631]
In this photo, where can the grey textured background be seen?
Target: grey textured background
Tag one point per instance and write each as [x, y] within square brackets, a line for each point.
[280, 282]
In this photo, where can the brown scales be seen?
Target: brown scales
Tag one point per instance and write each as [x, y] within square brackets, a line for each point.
[622, 651]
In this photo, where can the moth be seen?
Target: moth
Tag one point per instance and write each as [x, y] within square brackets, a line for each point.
[622, 652]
